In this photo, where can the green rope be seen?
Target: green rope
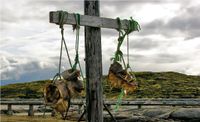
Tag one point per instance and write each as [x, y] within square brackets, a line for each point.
[61, 22]
[118, 57]
[62, 15]
[119, 100]
[77, 27]
[76, 60]
[66, 49]
[133, 26]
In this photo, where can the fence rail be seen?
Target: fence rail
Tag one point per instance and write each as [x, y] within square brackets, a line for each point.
[135, 102]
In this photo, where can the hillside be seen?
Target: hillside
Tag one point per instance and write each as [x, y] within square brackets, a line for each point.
[151, 85]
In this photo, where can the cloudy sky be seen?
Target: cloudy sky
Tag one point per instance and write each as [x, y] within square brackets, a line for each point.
[29, 44]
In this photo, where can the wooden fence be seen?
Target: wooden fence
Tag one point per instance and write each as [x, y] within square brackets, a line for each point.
[79, 102]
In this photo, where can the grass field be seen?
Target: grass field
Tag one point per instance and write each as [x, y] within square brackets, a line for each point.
[150, 85]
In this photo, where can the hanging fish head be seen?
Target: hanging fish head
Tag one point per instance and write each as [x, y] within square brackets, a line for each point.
[75, 87]
[78, 85]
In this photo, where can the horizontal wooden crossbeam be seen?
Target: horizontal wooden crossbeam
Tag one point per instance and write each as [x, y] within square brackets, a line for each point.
[91, 21]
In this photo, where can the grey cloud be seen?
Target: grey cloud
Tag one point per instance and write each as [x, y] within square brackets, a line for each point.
[31, 66]
[125, 3]
[15, 67]
[69, 5]
[160, 58]
[109, 32]
[168, 58]
[187, 24]
[121, 7]
[143, 44]
[137, 58]
[13, 61]
[157, 27]
[8, 16]
[35, 10]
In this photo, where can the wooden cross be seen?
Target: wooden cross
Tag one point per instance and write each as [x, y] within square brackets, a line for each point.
[93, 59]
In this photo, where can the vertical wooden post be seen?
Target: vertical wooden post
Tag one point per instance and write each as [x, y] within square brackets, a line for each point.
[30, 111]
[10, 112]
[94, 102]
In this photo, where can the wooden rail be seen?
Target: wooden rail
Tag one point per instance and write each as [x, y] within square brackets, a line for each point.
[135, 102]
[86, 20]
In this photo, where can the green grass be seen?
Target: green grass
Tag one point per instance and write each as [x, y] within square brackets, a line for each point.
[24, 90]
[151, 85]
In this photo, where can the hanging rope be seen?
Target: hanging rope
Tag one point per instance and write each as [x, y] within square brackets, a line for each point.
[62, 15]
[77, 28]
[118, 57]
[128, 64]
[127, 50]
[76, 60]
[119, 100]
[133, 26]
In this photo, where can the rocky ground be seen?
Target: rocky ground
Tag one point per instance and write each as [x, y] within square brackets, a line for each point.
[159, 114]
[129, 114]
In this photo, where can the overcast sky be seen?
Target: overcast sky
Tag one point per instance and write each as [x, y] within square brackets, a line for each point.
[29, 44]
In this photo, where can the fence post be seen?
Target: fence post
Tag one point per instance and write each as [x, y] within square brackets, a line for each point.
[31, 111]
[79, 109]
[10, 112]
[139, 106]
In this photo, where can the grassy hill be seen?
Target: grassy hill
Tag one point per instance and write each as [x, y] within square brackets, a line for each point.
[151, 85]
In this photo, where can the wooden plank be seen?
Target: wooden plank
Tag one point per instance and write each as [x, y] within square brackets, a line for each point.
[19, 102]
[164, 102]
[93, 60]
[86, 20]
[34, 102]
[158, 102]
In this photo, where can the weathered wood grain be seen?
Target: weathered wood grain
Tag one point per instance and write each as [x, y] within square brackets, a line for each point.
[86, 20]
[151, 102]
[93, 60]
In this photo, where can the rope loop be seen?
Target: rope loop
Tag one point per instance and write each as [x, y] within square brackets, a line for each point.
[77, 28]
[55, 78]
[119, 100]
[118, 57]
[62, 15]
[77, 19]
[132, 26]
